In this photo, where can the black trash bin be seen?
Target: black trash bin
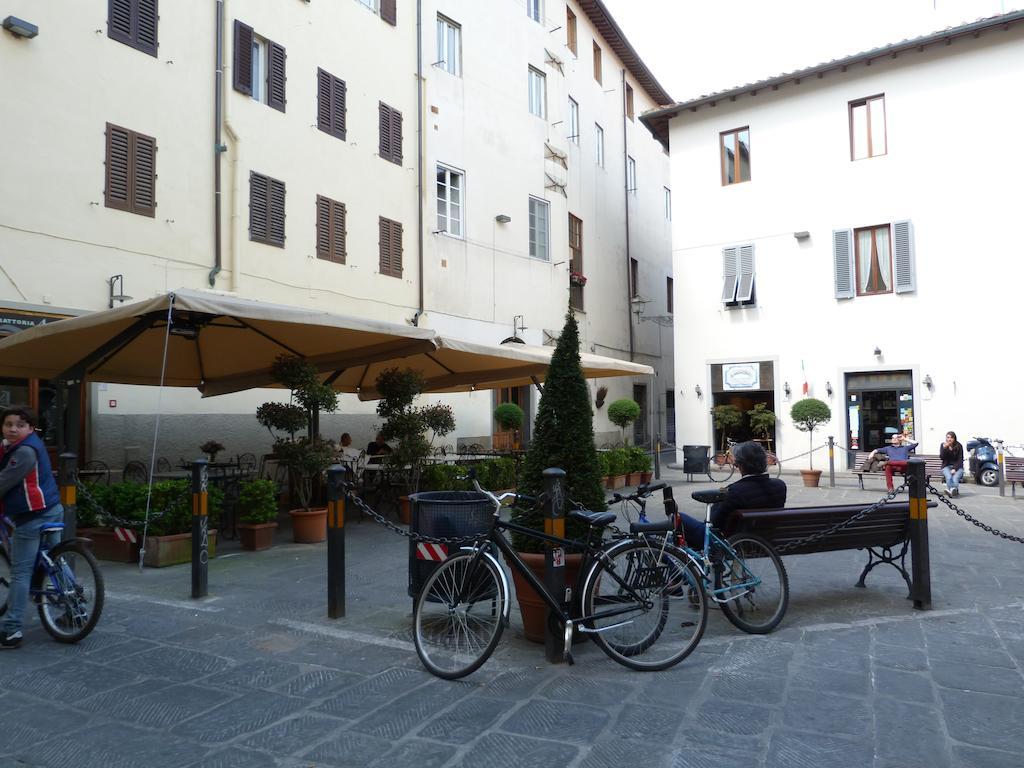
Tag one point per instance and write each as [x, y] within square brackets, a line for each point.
[696, 459]
[442, 514]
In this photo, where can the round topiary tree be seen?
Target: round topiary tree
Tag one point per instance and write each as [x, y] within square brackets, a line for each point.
[622, 413]
[725, 418]
[509, 416]
[808, 414]
[563, 436]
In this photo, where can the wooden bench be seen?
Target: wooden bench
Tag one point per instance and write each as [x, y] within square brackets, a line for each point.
[884, 533]
[932, 466]
[1013, 472]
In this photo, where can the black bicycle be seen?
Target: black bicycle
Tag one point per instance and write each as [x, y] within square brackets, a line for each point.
[638, 596]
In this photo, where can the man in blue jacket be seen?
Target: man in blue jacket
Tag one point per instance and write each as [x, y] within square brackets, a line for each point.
[898, 452]
[29, 497]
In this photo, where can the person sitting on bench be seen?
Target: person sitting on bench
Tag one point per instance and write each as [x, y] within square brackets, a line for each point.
[898, 452]
[754, 490]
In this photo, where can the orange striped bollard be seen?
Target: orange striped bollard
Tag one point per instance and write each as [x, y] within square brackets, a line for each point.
[336, 497]
[200, 528]
[67, 468]
[921, 592]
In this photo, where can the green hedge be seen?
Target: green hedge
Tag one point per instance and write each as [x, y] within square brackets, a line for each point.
[125, 504]
[493, 474]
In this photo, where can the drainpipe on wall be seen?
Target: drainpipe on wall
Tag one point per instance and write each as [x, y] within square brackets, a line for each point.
[419, 155]
[625, 190]
[218, 148]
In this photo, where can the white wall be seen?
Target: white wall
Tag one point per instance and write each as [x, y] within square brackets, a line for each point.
[951, 169]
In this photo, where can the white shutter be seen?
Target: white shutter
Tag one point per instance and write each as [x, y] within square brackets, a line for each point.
[842, 256]
[729, 274]
[903, 256]
[745, 289]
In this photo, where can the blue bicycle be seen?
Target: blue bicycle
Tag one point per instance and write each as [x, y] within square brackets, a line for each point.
[67, 586]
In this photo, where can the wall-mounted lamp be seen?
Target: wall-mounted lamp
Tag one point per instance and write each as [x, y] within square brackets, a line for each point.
[503, 218]
[927, 381]
[802, 235]
[699, 391]
[786, 390]
[116, 284]
[878, 351]
[20, 27]
[828, 388]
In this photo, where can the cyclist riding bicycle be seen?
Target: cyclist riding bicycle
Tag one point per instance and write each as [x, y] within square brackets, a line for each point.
[30, 498]
[754, 490]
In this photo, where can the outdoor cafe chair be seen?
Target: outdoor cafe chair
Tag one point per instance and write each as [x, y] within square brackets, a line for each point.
[135, 472]
[163, 465]
[94, 472]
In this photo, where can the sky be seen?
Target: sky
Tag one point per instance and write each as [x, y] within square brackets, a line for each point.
[696, 47]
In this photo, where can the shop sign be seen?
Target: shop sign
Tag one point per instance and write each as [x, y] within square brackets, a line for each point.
[741, 376]
[12, 322]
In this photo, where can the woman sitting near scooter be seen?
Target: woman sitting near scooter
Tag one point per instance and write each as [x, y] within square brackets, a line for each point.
[952, 455]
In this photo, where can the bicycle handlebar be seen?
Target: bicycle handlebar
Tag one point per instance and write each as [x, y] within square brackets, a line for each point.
[641, 493]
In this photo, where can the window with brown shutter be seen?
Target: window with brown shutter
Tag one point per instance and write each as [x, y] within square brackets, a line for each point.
[266, 210]
[629, 101]
[390, 247]
[570, 30]
[597, 62]
[275, 76]
[388, 12]
[259, 67]
[330, 104]
[242, 74]
[134, 23]
[330, 229]
[390, 126]
[130, 171]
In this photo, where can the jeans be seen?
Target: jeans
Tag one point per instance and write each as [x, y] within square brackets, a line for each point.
[24, 546]
[953, 477]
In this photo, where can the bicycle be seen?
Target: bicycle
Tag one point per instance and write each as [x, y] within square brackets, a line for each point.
[743, 574]
[639, 597]
[721, 465]
[67, 585]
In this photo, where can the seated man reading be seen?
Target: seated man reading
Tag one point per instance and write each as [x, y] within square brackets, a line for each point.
[754, 490]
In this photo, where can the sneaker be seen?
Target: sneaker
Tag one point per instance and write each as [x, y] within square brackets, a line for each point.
[955, 492]
[12, 640]
[947, 490]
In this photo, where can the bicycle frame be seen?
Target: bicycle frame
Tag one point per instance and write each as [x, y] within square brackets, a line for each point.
[43, 559]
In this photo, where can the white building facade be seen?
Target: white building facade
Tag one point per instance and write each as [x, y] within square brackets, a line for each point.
[851, 229]
[408, 161]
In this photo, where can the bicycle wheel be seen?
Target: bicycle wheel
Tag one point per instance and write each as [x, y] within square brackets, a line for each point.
[70, 597]
[752, 582]
[774, 465]
[5, 579]
[720, 467]
[454, 635]
[644, 605]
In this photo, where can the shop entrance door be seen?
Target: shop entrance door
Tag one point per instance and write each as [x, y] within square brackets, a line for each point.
[879, 405]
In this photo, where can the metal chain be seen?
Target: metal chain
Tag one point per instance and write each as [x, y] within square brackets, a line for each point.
[447, 540]
[82, 489]
[972, 520]
[844, 524]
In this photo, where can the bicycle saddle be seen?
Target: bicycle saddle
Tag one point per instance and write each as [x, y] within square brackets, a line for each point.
[598, 519]
[708, 497]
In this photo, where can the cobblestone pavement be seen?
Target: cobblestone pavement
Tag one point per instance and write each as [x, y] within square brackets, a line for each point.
[256, 675]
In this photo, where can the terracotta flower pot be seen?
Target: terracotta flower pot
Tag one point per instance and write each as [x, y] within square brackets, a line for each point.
[256, 536]
[645, 477]
[810, 477]
[174, 549]
[404, 510]
[534, 610]
[309, 526]
[106, 545]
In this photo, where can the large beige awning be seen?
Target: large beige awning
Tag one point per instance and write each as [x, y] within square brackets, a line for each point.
[461, 366]
[217, 343]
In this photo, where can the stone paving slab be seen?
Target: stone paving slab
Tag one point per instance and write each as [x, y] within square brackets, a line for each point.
[255, 675]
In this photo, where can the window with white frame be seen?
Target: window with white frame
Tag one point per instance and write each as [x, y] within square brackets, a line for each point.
[867, 128]
[534, 9]
[599, 136]
[630, 175]
[574, 121]
[876, 259]
[537, 96]
[449, 46]
[259, 69]
[668, 204]
[450, 196]
[539, 225]
[371, 4]
[738, 276]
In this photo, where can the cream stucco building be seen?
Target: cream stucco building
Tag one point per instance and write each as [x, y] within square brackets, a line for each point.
[420, 161]
[852, 226]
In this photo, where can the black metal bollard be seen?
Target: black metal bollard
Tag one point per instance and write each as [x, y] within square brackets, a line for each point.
[1002, 469]
[657, 458]
[921, 593]
[67, 469]
[554, 560]
[200, 528]
[831, 462]
[336, 502]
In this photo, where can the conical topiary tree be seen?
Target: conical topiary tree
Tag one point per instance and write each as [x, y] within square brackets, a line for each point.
[563, 437]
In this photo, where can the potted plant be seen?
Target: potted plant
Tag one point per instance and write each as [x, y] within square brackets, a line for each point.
[726, 418]
[509, 418]
[639, 465]
[257, 504]
[413, 428]
[618, 468]
[604, 468]
[563, 437]
[622, 413]
[807, 415]
[762, 423]
[211, 448]
[306, 457]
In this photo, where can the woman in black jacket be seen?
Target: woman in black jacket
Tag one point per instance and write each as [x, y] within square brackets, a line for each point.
[952, 455]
